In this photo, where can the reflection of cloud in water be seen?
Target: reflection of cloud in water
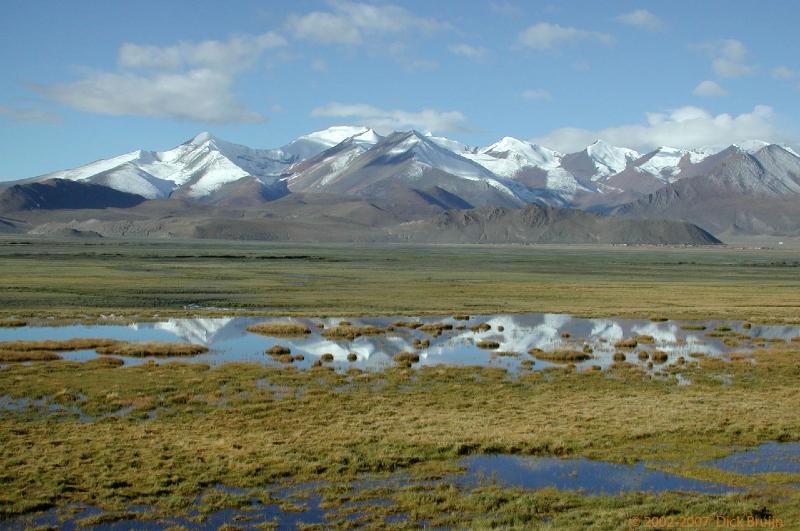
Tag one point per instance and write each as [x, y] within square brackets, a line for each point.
[663, 333]
[605, 329]
[200, 330]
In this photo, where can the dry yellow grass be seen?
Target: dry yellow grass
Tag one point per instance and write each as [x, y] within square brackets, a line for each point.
[152, 348]
[487, 344]
[12, 323]
[57, 345]
[563, 355]
[28, 355]
[280, 329]
[351, 332]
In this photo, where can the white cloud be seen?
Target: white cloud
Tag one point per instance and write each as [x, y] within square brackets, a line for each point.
[350, 23]
[685, 127]
[474, 53]
[709, 88]
[729, 58]
[536, 94]
[642, 18]
[783, 72]
[544, 36]
[385, 121]
[198, 95]
[188, 81]
[237, 53]
[28, 115]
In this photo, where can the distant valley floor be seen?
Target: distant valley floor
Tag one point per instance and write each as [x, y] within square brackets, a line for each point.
[92, 279]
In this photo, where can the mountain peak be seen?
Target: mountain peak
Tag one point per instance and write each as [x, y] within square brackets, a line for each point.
[201, 138]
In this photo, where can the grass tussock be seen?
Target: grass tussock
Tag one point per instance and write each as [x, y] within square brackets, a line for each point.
[10, 356]
[644, 339]
[461, 317]
[505, 354]
[487, 344]
[619, 356]
[421, 343]
[435, 328]
[643, 355]
[564, 355]
[351, 332]
[57, 345]
[327, 357]
[626, 343]
[481, 327]
[12, 323]
[413, 325]
[659, 356]
[278, 350]
[152, 348]
[351, 357]
[406, 357]
[280, 329]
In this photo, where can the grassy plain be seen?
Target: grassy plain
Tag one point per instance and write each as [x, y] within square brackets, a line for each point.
[187, 427]
[86, 279]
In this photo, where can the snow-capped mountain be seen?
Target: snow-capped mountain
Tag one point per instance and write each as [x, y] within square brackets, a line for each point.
[410, 160]
[198, 167]
[350, 160]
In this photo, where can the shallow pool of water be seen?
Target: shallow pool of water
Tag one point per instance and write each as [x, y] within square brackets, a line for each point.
[766, 458]
[587, 476]
[229, 341]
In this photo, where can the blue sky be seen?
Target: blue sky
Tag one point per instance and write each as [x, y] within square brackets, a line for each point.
[91, 79]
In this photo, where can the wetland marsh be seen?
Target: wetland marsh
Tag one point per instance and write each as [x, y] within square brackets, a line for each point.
[568, 419]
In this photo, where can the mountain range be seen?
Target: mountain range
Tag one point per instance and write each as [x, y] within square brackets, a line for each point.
[363, 180]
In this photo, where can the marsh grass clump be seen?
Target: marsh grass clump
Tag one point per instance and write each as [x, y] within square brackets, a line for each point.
[795, 339]
[723, 328]
[487, 344]
[413, 325]
[644, 339]
[643, 355]
[588, 349]
[299, 357]
[461, 317]
[747, 325]
[697, 327]
[501, 328]
[57, 345]
[345, 323]
[406, 357]
[626, 343]
[327, 357]
[278, 350]
[481, 327]
[659, 356]
[619, 356]
[535, 351]
[10, 356]
[659, 319]
[526, 363]
[280, 328]
[421, 343]
[351, 357]
[284, 358]
[351, 332]
[566, 335]
[152, 348]
[435, 328]
[12, 323]
[505, 354]
[564, 355]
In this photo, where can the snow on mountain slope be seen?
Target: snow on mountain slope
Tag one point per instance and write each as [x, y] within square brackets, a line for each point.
[306, 146]
[609, 159]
